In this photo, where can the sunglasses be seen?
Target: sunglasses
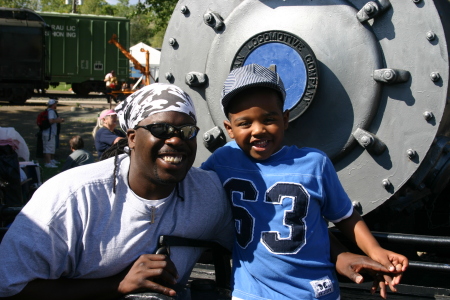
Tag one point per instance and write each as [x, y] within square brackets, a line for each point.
[166, 131]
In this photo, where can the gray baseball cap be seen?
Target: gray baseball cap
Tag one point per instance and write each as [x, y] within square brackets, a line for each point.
[250, 76]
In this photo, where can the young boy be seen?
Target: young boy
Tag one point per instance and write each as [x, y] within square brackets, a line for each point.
[282, 197]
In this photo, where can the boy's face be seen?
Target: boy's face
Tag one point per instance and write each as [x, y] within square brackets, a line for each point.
[257, 123]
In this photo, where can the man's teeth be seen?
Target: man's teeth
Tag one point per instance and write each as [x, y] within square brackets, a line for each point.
[172, 159]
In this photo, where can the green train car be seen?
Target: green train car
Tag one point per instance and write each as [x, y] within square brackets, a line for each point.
[79, 52]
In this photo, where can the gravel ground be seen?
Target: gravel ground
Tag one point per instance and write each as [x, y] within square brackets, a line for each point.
[80, 115]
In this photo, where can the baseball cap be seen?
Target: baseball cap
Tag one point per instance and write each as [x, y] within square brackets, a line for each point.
[52, 101]
[248, 76]
[108, 112]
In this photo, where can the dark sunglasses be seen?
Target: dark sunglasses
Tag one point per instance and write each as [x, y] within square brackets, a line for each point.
[166, 131]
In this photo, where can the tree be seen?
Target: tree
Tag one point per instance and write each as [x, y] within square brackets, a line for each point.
[31, 4]
[158, 12]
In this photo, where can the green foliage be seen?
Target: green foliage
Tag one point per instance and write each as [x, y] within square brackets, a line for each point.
[158, 12]
[31, 4]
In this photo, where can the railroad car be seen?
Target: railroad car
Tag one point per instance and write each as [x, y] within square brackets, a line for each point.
[80, 53]
[23, 54]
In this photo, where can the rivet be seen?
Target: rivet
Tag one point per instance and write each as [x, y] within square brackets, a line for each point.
[184, 9]
[428, 115]
[172, 41]
[386, 183]
[169, 76]
[435, 76]
[431, 35]
[411, 153]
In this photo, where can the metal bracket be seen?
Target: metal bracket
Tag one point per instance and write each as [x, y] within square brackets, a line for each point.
[213, 20]
[214, 138]
[391, 75]
[195, 79]
[372, 9]
[369, 141]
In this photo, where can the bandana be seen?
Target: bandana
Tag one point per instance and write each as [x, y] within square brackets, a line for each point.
[152, 99]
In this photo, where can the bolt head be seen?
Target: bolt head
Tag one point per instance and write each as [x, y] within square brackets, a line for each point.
[366, 140]
[411, 153]
[184, 9]
[388, 75]
[168, 76]
[370, 8]
[190, 77]
[428, 115]
[416, 1]
[386, 183]
[172, 41]
[431, 35]
[208, 17]
[435, 76]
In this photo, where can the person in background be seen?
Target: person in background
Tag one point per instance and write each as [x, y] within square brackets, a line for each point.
[79, 156]
[107, 134]
[111, 84]
[49, 135]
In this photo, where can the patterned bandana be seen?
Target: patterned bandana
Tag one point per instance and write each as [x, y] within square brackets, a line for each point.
[152, 99]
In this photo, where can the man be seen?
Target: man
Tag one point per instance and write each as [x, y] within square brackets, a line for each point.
[49, 135]
[89, 232]
[76, 227]
[111, 82]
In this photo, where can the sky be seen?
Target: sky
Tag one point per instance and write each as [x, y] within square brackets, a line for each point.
[132, 2]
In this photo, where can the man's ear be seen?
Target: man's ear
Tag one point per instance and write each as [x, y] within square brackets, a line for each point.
[131, 136]
[229, 129]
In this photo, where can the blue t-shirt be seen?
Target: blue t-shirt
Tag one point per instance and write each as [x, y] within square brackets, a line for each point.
[282, 248]
[104, 138]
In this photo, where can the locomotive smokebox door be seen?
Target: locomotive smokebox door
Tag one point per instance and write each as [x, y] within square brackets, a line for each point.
[366, 82]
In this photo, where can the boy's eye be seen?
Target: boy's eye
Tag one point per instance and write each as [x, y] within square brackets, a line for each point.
[244, 124]
[269, 120]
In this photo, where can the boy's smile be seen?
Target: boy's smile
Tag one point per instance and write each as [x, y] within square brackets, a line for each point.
[257, 123]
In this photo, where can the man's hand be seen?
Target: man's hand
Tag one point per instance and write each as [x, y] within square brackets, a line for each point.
[147, 272]
[350, 265]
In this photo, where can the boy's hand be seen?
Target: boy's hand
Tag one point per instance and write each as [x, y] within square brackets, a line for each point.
[351, 265]
[394, 262]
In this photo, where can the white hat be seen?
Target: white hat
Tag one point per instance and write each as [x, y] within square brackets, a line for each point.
[52, 101]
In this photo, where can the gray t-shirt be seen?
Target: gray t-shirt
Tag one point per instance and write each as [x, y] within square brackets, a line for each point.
[76, 227]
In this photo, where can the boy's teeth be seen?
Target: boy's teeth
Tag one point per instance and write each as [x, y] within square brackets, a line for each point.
[260, 143]
[172, 159]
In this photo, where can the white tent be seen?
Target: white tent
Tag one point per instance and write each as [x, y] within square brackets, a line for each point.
[155, 56]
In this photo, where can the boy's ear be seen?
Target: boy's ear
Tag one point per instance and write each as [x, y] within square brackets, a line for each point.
[131, 136]
[229, 129]
[286, 119]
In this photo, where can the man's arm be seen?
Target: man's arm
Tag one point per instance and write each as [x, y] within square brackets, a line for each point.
[143, 275]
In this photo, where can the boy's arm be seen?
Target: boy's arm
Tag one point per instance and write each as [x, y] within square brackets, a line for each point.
[356, 229]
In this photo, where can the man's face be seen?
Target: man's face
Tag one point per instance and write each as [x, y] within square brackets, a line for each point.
[162, 161]
[257, 123]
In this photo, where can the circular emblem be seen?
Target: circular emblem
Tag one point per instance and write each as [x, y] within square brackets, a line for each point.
[294, 61]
